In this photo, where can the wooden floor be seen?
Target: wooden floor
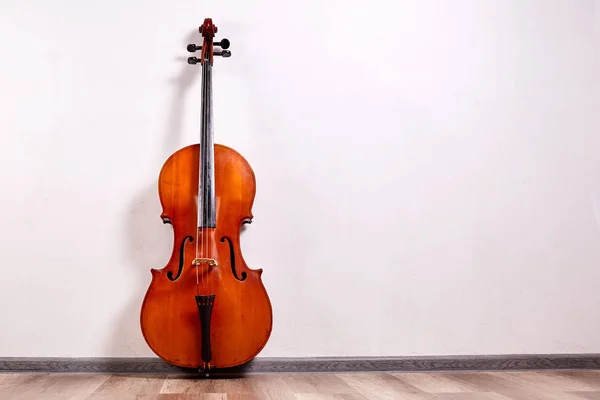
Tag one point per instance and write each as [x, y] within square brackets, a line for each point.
[566, 385]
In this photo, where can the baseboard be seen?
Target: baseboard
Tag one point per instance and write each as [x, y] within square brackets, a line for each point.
[311, 365]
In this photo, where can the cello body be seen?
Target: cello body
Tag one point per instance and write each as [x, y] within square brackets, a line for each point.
[206, 308]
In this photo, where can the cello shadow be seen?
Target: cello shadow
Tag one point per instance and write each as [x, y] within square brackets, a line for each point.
[148, 242]
[148, 246]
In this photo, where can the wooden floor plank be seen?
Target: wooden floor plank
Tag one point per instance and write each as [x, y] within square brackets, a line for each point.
[382, 386]
[50, 386]
[508, 384]
[254, 396]
[471, 396]
[21, 387]
[317, 383]
[330, 396]
[72, 386]
[186, 396]
[129, 386]
[264, 386]
[589, 379]
[438, 382]
[588, 395]
[552, 380]
[525, 385]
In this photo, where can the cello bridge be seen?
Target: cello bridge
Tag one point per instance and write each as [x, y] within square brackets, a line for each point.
[210, 261]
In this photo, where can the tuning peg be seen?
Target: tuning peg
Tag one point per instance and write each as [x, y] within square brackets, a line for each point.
[192, 48]
[224, 43]
[193, 60]
[224, 53]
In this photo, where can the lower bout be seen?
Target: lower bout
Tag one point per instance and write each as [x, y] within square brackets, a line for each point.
[173, 329]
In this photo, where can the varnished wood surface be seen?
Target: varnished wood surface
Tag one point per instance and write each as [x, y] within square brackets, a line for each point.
[241, 317]
[528, 385]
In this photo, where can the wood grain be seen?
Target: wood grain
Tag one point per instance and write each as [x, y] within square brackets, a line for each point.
[117, 385]
[437, 383]
[70, 387]
[526, 385]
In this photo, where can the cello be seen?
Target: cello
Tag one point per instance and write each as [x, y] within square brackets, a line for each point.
[206, 308]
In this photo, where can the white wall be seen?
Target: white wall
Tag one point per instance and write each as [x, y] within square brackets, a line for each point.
[428, 171]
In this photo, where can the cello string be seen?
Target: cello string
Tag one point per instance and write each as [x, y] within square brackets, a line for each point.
[201, 196]
[206, 164]
[210, 178]
[203, 148]
[202, 176]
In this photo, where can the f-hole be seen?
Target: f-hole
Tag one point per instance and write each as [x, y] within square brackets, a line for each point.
[232, 259]
[181, 259]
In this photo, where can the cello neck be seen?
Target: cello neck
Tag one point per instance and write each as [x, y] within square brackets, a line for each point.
[206, 177]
